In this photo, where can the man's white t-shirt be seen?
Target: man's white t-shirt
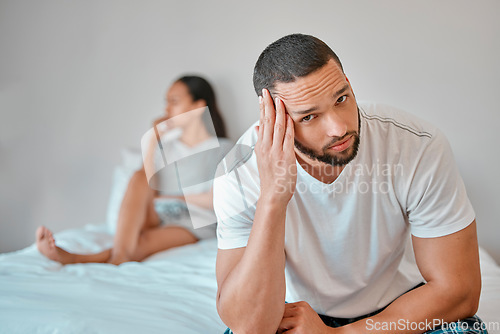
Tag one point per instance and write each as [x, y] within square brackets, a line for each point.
[347, 243]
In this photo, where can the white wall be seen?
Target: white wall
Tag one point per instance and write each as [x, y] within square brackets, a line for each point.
[79, 80]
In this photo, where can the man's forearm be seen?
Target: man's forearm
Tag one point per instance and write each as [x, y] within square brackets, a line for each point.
[418, 311]
[252, 297]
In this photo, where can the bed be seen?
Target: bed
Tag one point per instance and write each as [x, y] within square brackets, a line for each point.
[170, 292]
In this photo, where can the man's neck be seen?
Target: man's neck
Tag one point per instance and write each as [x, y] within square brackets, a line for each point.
[321, 171]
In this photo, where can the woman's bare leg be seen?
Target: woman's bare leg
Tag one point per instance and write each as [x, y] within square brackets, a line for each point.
[151, 241]
[47, 246]
[161, 238]
[136, 214]
[138, 232]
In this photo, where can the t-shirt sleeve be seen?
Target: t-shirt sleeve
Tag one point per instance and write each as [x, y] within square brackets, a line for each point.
[437, 203]
[236, 190]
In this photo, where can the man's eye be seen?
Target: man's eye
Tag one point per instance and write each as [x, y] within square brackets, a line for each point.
[342, 99]
[307, 118]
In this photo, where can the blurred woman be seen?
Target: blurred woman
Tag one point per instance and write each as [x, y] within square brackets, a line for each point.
[154, 213]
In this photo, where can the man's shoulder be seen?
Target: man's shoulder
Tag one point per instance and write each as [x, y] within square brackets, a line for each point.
[240, 158]
[384, 116]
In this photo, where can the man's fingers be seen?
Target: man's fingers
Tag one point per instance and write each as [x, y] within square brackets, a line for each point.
[289, 312]
[261, 109]
[279, 124]
[269, 117]
[288, 141]
[260, 131]
[286, 324]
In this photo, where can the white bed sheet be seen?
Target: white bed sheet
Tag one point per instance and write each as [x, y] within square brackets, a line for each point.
[170, 292]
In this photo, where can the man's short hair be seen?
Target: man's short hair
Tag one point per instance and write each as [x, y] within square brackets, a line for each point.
[290, 57]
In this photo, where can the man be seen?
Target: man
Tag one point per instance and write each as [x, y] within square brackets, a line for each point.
[333, 195]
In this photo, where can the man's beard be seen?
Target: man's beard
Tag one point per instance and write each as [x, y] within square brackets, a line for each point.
[338, 160]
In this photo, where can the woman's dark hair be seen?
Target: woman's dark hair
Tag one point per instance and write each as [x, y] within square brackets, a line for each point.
[200, 89]
[290, 57]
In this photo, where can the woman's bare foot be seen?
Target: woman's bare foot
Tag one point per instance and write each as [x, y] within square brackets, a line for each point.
[47, 246]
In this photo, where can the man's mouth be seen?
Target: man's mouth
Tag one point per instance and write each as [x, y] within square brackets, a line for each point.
[342, 145]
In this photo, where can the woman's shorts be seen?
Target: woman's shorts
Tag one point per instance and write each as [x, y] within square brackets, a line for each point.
[175, 213]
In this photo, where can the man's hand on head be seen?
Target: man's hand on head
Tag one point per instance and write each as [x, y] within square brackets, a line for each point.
[274, 150]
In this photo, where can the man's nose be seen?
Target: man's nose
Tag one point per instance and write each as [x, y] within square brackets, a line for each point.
[335, 126]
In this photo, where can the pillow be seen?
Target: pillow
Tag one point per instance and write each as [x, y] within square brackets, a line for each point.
[131, 162]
